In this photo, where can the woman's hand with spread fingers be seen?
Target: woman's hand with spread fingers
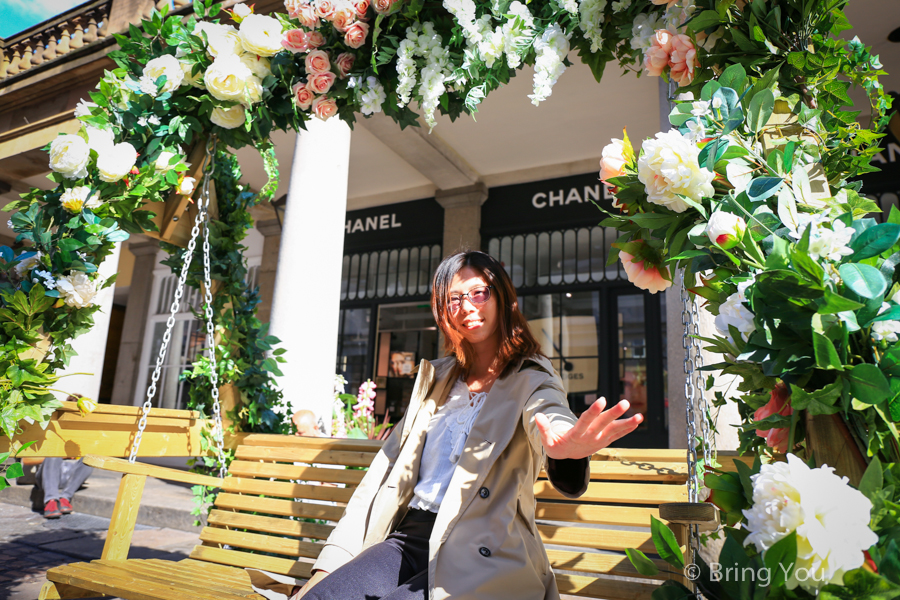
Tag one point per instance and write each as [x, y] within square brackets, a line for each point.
[595, 429]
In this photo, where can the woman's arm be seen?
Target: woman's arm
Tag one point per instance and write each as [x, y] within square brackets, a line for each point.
[315, 579]
[595, 430]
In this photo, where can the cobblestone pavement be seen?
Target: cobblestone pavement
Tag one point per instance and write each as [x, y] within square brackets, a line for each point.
[31, 544]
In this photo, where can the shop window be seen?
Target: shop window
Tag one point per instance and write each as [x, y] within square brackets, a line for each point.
[389, 273]
[353, 346]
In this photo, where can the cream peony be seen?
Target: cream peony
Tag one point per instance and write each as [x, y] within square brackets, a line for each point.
[188, 78]
[831, 520]
[259, 66]
[228, 118]
[116, 162]
[163, 161]
[166, 65]
[69, 156]
[725, 229]
[221, 40]
[650, 279]
[612, 163]
[76, 289]
[226, 79]
[253, 91]
[186, 186]
[79, 197]
[261, 35]
[668, 167]
[99, 140]
[242, 10]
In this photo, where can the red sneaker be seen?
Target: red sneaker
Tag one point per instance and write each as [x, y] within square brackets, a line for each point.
[51, 510]
[65, 507]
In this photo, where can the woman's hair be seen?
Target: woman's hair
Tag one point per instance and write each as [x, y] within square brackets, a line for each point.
[516, 340]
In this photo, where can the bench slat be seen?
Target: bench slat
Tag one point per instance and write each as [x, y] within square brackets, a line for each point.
[609, 589]
[234, 575]
[244, 468]
[283, 508]
[182, 577]
[274, 525]
[296, 441]
[595, 562]
[600, 539]
[274, 564]
[257, 541]
[653, 455]
[615, 493]
[286, 489]
[598, 514]
[305, 455]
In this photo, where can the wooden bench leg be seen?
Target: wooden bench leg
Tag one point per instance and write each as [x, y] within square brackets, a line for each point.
[121, 526]
[61, 591]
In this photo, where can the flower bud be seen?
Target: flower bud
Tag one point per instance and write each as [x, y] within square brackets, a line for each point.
[86, 406]
[725, 229]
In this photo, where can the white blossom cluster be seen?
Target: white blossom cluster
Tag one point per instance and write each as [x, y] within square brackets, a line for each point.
[591, 15]
[831, 244]
[620, 5]
[643, 28]
[518, 34]
[423, 42]
[888, 330]
[372, 95]
[677, 14]
[45, 278]
[552, 48]
[734, 312]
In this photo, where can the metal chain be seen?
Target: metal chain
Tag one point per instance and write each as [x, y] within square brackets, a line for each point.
[692, 380]
[200, 221]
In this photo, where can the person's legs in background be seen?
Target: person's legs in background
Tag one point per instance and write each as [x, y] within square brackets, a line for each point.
[49, 474]
[74, 476]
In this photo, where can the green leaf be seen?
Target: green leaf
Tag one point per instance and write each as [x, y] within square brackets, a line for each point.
[872, 480]
[863, 280]
[641, 563]
[819, 402]
[780, 559]
[826, 355]
[761, 108]
[833, 303]
[14, 471]
[763, 187]
[868, 384]
[652, 220]
[874, 240]
[666, 545]
[733, 77]
[890, 562]
[672, 590]
[860, 584]
[704, 20]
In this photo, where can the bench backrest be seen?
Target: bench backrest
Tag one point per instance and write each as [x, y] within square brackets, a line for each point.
[281, 501]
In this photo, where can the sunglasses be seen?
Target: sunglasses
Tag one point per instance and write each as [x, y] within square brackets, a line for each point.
[476, 296]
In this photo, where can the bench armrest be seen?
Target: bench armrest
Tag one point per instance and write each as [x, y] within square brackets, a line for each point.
[119, 465]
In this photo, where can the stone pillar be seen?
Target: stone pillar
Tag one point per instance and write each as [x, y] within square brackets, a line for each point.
[462, 217]
[136, 312]
[271, 231]
[306, 302]
[91, 346]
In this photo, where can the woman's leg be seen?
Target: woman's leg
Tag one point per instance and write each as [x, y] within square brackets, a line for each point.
[376, 572]
[414, 589]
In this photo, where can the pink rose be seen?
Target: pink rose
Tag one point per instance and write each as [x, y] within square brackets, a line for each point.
[650, 279]
[356, 34]
[383, 6]
[656, 57]
[613, 162]
[320, 83]
[295, 40]
[293, 7]
[343, 19]
[307, 16]
[315, 39]
[317, 62]
[324, 107]
[779, 404]
[682, 60]
[361, 7]
[344, 63]
[325, 9]
[303, 97]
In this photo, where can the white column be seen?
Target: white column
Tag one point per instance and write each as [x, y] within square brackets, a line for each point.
[91, 346]
[306, 302]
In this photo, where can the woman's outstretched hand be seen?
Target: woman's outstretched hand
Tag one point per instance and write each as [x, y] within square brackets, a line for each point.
[596, 429]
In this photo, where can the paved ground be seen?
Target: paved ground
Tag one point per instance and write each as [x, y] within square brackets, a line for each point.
[30, 544]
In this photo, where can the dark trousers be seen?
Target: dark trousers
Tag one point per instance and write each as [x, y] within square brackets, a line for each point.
[61, 479]
[395, 569]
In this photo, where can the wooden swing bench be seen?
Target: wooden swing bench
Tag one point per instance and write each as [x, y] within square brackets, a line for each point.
[263, 519]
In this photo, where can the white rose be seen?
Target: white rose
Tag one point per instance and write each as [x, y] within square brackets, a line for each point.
[252, 91]
[258, 65]
[734, 312]
[186, 186]
[76, 289]
[166, 65]
[228, 118]
[99, 140]
[831, 520]
[69, 156]
[669, 167]
[116, 162]
[227, 78]
[261, 35]
[76, 198]
[221, 40]
[190, 79]
[162, 161]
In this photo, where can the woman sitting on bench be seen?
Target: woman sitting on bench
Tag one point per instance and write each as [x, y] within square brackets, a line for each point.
[447, 508]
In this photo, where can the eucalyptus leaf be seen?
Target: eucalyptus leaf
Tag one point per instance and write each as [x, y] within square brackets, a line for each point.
[762, 105]
[863, 280]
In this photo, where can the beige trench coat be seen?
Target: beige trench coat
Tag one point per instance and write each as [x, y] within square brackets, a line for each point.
[484, 545]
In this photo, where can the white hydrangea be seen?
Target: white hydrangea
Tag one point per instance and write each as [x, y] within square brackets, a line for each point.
[643, 28]
[831, 520]
[669, 168]
[734, 312]
[76, 289]
[591, 15]
[552, 48]
[372, 97]
[570, 6]
[518, 33]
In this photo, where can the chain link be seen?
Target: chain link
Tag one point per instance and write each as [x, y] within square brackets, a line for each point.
[201, 221]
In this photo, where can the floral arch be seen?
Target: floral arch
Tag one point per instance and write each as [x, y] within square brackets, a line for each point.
[754, 193]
